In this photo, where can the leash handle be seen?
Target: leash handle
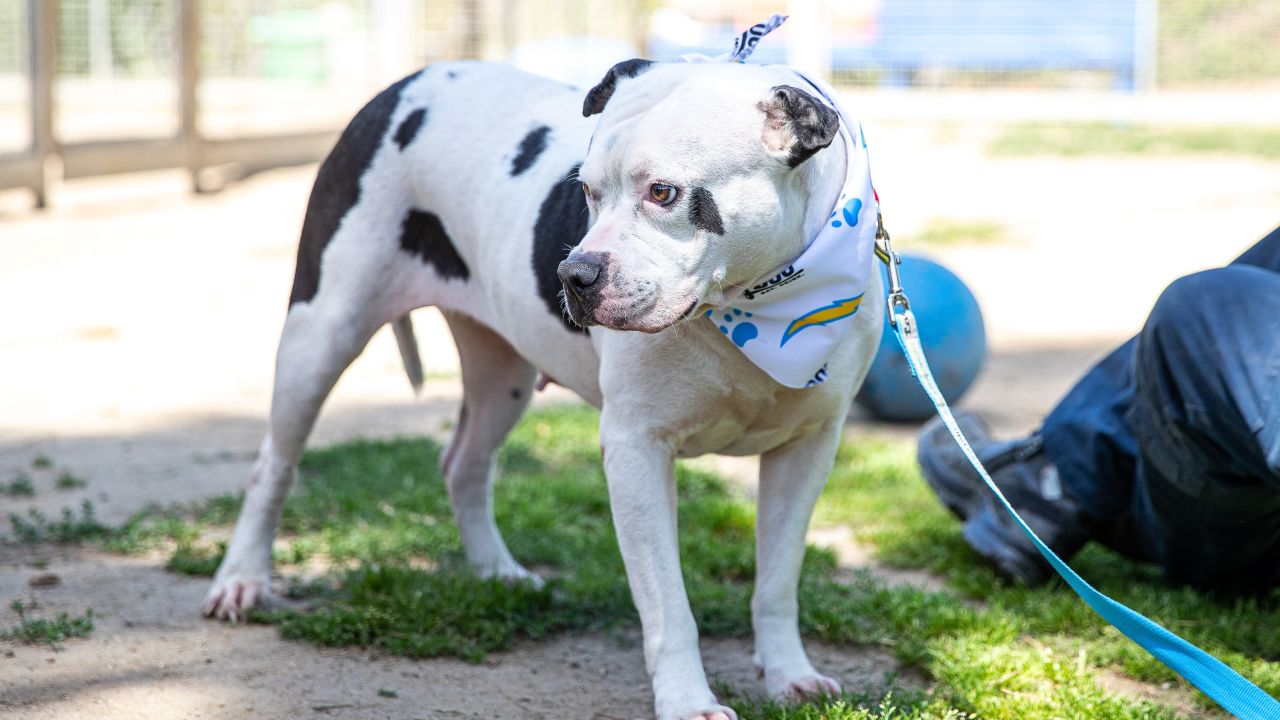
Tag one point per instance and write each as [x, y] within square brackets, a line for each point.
[1225, 686]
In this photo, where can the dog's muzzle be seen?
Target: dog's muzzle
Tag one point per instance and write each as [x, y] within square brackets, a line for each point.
[583, 276]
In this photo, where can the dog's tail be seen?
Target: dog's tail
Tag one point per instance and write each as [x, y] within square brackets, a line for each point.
[408, 343]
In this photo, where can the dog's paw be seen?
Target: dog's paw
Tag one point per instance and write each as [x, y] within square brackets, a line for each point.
[694, 706]
[512, 572]
[715, 711]
[801, 686]
[718, 713]
[232, 595]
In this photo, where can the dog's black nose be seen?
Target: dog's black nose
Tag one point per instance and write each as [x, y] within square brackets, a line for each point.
[578, 275]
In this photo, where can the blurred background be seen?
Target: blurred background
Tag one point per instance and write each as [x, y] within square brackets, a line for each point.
[104, 86]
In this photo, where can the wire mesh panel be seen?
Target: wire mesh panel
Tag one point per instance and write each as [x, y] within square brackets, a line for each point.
[271, 66]
[1223, 43]
[15, 87]
[1121, 44]
[116, 70]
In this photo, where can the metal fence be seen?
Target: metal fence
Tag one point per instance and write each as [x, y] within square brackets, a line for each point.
[102, 86]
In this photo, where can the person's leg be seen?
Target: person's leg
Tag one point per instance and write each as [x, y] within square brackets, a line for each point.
[1091, 468]
[1264, 254]
[1206, 417]
[1088, 435]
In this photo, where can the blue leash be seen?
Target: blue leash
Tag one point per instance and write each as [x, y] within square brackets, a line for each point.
[1228, 688]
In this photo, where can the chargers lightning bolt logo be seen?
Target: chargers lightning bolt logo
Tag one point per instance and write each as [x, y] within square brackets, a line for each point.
[837, 310]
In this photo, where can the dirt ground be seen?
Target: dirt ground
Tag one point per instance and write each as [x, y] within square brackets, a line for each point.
[136, 348]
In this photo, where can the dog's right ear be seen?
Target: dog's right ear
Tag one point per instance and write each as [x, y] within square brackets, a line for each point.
[598, 96]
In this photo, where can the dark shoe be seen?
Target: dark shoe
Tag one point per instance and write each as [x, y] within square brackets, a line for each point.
[1028, 479]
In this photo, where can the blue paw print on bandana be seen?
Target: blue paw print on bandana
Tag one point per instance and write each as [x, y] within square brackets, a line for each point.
[850, 212]
[729, 323]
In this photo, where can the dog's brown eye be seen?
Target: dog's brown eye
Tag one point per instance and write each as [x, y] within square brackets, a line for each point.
[662, 194]
[586, 189]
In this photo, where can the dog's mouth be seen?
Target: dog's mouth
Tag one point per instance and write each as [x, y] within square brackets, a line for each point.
[645, 316]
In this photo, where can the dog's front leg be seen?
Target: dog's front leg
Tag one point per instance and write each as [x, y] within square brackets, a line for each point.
[642, 494]
[791, 478]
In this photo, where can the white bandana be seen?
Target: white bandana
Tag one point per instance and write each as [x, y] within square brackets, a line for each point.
[789, 322]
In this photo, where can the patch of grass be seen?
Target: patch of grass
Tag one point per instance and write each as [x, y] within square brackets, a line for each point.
[891, 706]
[378, 511]
[69, 481]
[41, 631]
[941, 232]
[878, 491]
[199, 561]
[1097, 138]
[41, 462]
[19, 486]
[36, 527]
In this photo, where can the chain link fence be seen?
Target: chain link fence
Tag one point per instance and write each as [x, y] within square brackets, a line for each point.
[15, 90]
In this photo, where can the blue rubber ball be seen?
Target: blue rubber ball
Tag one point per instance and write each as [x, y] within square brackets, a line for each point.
[954, 339]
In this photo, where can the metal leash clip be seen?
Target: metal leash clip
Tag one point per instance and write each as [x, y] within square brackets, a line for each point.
[897, 298]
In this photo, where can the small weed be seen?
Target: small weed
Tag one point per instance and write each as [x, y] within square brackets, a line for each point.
[189, 559]
[42, 462]
[383, 692]
[39, 631]
[68, 481]
[20, 486]
[37, 528]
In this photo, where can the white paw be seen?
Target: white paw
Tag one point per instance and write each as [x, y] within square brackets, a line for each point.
[512, 572]
[714, 711]
[232, 594]
[800, 686]
[704, 707]
[719, 712]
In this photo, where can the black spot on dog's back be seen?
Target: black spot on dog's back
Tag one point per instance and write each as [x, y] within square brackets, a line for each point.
[530, 148]
[703, 211]
[337, 187]
[562, 221]
[423, 234]
[409, 127]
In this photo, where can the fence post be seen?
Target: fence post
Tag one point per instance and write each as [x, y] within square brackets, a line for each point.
[188, 83]
[42, 19]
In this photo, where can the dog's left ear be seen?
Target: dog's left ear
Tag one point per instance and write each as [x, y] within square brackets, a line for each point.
[796, 124]
[598, 96]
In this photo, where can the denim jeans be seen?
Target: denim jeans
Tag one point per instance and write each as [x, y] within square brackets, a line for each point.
[1171, 444]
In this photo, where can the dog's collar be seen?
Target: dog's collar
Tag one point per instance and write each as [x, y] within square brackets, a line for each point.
[789, 322]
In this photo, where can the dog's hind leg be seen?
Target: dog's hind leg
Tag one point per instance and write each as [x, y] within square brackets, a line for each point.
[319, 341]
[497, 383]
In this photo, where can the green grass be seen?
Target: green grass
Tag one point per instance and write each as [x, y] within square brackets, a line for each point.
[41, 631]
[19, 486]
[941, 232]
[69, 481]
[378, 513]
[1097, 138]
[36, 527]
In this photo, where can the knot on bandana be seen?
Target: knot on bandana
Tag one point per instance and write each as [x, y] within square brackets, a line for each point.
[745, 44]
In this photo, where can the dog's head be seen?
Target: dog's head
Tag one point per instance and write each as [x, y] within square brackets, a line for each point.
[697, 184]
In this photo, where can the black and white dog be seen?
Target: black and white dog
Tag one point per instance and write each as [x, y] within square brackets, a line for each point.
[507, 202]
